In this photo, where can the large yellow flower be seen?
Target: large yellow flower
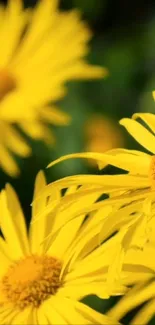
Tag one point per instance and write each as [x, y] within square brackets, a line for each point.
[45, 273]
[42, 49]
[131, 194]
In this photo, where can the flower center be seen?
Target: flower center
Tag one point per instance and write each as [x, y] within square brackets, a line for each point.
[7, 83]
[152, 172]
[32, 280]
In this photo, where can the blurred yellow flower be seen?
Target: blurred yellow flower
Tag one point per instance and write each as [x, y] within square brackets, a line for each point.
[45, 273]
[101, 134]
[42, 49]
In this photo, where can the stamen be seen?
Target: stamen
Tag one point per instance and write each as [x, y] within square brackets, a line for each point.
[32, 280]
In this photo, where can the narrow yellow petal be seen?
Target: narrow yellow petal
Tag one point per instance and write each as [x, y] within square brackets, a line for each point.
[115, 181]
[115, 268]
[10, 37]
[4, 257]
[16, 213]
[95, 317]
[23, 317]
[82, 313]
[42, 318]
[66, 236]
[141, 257]
[116, 219]
[79, 291]
[140, 133]
[60, 211]
[134, 298]
[10, 230]
[145, 314]
[91, 316]
[123, 154]
[88, 238]
[85, 267]
[8, 163]
[37, 29]
[15, 142]
[8, 315]
[148, 118]
[127, 161]
[52, 310]
[54, 115]
[37, 231]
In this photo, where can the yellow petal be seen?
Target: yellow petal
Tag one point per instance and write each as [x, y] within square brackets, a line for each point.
[42, 318]
[79, 312]
[127, 161]
[8, 163]
[79, 291]
[88, 238]
[37, 29]
[115, 181]
[15, 142]
[52, 311]
[121, 152]
[63, 211]
[95, 317]
[8, 315]
[10, 230]
[37, 231]
[36, 130]
[148, 118]
[115, 268]
[10, 37]
[118, 218]
[140, 133]
[16, 99]
[22, 317]
[85, 267]
[66, 236]
[91, 316]
[145, 314]
[16, 213]
[4, 257]
[141, 257]
[136, 296]
[54, 115]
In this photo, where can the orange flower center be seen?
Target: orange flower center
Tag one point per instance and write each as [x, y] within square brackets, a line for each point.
[7, 83]
[32, 280]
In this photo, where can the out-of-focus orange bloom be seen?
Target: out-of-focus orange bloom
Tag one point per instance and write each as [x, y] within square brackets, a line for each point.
[101, 134]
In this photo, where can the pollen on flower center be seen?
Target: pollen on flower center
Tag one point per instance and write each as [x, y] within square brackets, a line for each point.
[32, 280]
[7, 83]
[152, 172]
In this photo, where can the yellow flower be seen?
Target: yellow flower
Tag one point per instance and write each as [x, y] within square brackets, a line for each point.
[131, 195]
[42, 49]
[139, 271]
[45, 273]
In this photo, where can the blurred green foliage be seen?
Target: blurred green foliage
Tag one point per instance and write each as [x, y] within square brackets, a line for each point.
[124, 42]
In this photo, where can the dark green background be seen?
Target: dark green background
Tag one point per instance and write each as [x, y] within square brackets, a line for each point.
[124, 42]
